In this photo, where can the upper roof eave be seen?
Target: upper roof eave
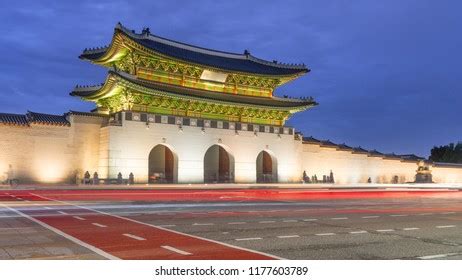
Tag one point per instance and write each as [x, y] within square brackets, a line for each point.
[226, 61]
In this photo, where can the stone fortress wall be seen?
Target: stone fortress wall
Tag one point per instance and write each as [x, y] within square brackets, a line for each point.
[43, 153]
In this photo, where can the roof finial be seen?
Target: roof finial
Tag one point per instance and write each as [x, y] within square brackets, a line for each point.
[246, 52]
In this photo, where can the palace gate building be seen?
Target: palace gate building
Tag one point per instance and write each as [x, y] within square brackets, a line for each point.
[170, 112]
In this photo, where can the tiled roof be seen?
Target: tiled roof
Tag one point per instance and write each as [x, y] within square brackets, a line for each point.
[213, 58]
[311, 139]
[47, 118]
[198, 93]
[375, 153]
[328, 143]
[344, 147]
[13, 119]
[359, 150]
[411, 157]
[33, 118]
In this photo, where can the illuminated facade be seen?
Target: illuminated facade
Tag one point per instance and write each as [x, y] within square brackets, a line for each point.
[169, 112]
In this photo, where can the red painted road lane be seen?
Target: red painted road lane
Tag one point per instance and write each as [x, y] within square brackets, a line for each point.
[106, 232]
[234, 195]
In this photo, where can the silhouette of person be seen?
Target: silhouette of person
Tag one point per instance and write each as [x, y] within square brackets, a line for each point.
[10, 175]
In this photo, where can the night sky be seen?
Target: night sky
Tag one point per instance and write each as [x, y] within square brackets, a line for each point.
[387, 74]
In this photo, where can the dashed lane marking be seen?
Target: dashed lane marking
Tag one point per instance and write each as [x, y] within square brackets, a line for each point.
[173, 249]
[411, 228]
[136, 237]
[48, 208]
[237, 223]
[385, 230]
[339, 218]
[446, 226]
[288, 236]
[424, 214]
[399, 215]
[310, 220]
[370, 217]
[289, 221]
[325, 234]
[204, 224]
[247, 239]
[266, 222]
[62, 212]
[65, 235]
[99, 225]
[79, 218]
[438, 256]
[358, 232]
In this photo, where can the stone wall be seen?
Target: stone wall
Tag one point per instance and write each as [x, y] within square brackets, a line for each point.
[349, 167]
[49, 153]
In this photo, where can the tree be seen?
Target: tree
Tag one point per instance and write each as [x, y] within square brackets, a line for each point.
[451, 153]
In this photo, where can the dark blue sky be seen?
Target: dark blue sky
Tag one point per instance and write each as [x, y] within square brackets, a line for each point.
[387, 74]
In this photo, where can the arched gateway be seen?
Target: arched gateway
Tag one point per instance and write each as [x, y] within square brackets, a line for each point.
[218, 165]
[163, 165]
[267, 168]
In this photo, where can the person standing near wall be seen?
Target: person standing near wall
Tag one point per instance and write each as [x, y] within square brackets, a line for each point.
[10, 175]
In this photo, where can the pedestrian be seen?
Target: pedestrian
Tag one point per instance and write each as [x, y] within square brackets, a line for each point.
[10, 175]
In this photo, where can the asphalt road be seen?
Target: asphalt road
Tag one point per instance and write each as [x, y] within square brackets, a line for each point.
[352, 227]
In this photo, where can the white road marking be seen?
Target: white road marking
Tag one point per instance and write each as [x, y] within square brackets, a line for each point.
[225, 232]
[204, 224]
[99, 225]
[176, 250]
[411, 228]
[424, 214]
[79, 218]
[65, 235]
[370, 217]
[266, 222]
[288, 236]
[237, 223]
[62, 212]
[289, 221]
[166, 229]
[166, 225]
[339, 218]
[134, 236]
[48, 208]
[325, 234]
[310, 220]
[399, 215]
[446, 226]
[438, 256]
[250, 238]
[358, 232]
[385, 230]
